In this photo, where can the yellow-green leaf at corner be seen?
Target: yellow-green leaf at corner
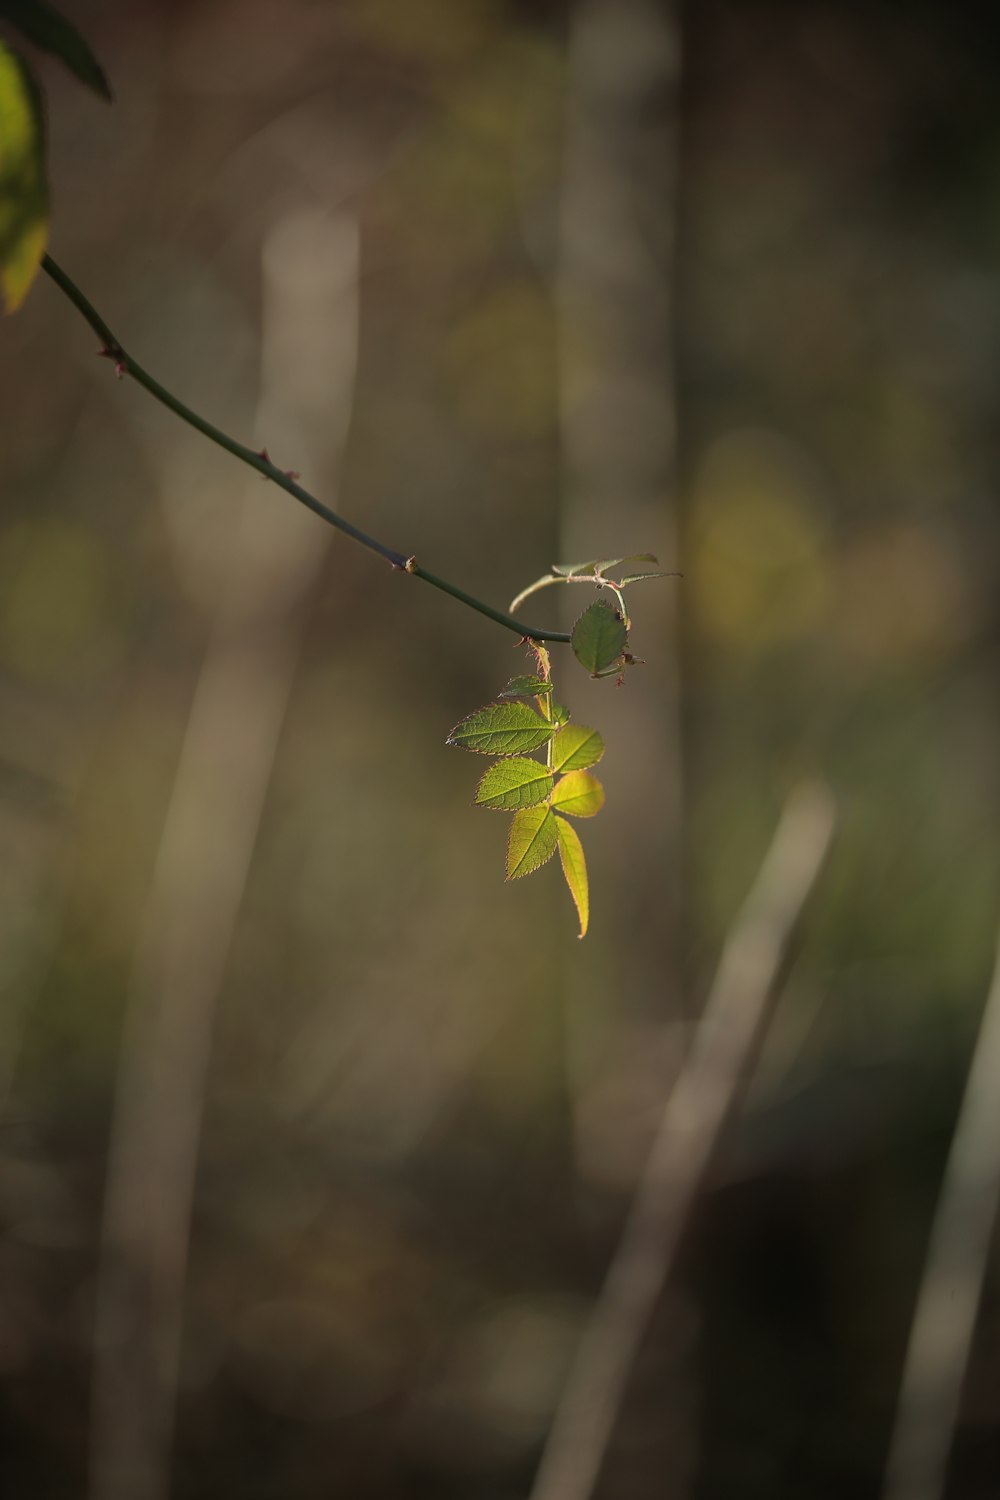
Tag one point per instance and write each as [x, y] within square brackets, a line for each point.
[53, 33]
[580, 794]
[574, 868]
[532, 841]
[24, 189]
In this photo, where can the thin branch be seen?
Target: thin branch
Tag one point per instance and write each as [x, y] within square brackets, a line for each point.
[945, 1318]
[696, 1111]
[259, 460]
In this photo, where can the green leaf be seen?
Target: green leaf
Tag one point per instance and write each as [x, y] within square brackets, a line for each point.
[559, 712]
[574, 868]
[514, 783]
[576, 747]
[502, 729]
[580, 794]
[638, 577]
[24, 188]
[533, 839]
[599, 637]
[53, 33]
[525, 687]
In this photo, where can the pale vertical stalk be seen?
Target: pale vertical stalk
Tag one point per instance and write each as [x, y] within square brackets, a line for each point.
[710, 1085]
[614, 302]
[945, 1319]
[309, 307]
[29, 839]
[614, 297]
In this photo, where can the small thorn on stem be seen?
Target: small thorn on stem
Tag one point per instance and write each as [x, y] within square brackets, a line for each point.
[263, 453]
[410, 565]
[110, 351]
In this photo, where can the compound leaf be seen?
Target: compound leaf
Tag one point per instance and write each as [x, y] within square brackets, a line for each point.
[574, 868]
[24, 188]
[502, 729]
[599, 638]
[53, 33]
[514, 783]
[580, 794]
[533, 839]
[575, 747]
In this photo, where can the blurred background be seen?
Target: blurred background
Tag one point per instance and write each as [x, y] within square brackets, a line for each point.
[315, 1137]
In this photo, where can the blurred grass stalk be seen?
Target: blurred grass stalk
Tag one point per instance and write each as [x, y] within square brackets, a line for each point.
[617, 398]
[947, 1305]
[308, 358]
[703, 1100]
[618, 448]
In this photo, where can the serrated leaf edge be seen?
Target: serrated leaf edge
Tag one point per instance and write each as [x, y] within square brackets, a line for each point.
[544, 775]
[597, 787]
[499, 754]
[564, 768]
[519, 874]
[589, 612]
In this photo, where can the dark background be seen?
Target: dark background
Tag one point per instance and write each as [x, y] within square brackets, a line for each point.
[418, 1106]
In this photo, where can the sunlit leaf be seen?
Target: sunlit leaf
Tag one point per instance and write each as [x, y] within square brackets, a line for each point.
[24, 190]
[502, 729]
[559, 712]
[514, 783]
[574, 868]
[576, 747]
[599, 637]
[533, 839]
[525, 687]
[580, 794]
[53, 33]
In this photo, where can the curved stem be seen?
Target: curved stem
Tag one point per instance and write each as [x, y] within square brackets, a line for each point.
[126, 365]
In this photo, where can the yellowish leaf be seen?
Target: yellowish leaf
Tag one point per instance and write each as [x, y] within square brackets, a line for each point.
[575, 870]
[24, 191]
